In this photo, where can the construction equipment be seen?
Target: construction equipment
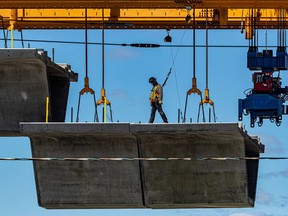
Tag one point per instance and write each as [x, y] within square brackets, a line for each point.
[266, 99]
[207, 99]
[194, 88]
[103, 100]
[86, 88]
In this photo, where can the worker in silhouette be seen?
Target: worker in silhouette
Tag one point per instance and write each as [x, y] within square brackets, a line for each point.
[156, 98]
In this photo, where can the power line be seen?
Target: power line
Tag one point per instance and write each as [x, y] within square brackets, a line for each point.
[141, 45]
[144, 159]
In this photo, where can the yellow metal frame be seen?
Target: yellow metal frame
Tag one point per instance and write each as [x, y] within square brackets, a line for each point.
[151, 4]
[69, 18]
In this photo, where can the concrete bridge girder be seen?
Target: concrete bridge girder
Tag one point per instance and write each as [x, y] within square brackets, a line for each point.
[151, 183]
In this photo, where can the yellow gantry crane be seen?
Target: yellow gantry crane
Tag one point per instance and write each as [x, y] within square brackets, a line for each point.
[145, 14]
[166, 14]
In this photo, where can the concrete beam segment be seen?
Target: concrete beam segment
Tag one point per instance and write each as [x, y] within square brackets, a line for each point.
[86, 184]
[153, 184]
[27, 77]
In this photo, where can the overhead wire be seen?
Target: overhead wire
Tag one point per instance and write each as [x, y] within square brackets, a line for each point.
[81, 159]
[133, 45]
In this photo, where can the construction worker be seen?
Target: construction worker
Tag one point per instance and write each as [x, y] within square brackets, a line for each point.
[156, 98]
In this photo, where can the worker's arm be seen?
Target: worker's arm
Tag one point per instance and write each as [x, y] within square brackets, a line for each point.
[160, 93]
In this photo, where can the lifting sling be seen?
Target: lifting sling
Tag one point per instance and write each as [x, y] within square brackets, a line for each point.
[103, 100]
[194, 88]
[207, 99]
[86, 88]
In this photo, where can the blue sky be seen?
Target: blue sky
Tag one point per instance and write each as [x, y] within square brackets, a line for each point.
[127, 70]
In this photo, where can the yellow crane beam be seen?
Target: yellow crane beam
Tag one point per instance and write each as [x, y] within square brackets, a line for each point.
[151, 4]
[135, 18]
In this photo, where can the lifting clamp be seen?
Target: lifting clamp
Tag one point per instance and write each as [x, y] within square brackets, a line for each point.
[194, 88]
[103, 100]
[87, 89]
[207, 99]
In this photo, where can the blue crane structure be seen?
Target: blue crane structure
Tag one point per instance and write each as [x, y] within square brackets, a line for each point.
[267, 98]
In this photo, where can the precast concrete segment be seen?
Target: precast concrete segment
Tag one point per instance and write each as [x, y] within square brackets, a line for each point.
[86, 184]
[213, 184]
[182, 184]
[28, 77]
[153, 184]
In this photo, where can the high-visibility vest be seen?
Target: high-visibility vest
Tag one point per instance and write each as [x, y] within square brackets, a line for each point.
[154, 96]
